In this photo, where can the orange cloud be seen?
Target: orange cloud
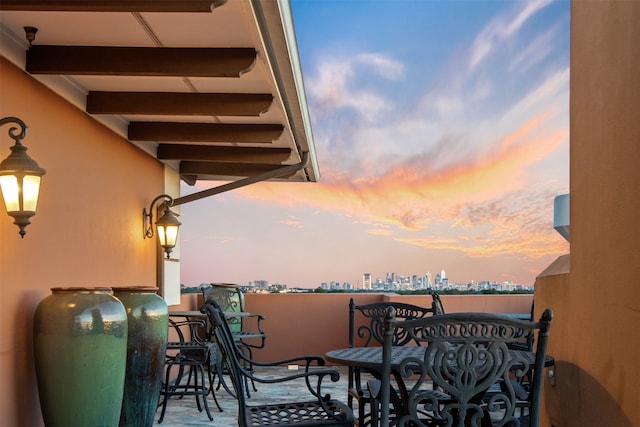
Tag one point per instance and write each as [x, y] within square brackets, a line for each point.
[292, 222]
[486, 195]
[411, 197]
[381, 232]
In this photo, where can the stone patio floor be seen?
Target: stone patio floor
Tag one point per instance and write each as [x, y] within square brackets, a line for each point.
[184, 412]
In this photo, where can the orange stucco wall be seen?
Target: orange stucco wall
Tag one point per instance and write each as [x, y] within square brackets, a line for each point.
[594, 337]
[298, 324]
[87, 230]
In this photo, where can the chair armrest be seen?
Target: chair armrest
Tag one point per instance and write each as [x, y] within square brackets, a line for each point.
[246, 336]
[314, 386]
[308, 361]
[189, 329]
[258, 321]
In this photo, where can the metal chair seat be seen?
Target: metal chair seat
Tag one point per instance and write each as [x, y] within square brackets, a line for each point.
[296, 414]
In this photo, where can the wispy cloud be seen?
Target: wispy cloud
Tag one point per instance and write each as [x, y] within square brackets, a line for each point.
[534, 53]
[501, 28]
[292, 222]
[381, 232]
[333, 86]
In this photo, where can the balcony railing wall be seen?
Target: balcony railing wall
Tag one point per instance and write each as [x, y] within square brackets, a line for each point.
[312, 323]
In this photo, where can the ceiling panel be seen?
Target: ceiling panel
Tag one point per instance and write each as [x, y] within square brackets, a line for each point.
[231, 25]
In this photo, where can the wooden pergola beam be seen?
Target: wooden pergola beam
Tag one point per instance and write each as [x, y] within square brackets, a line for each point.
[272, 156]
[140, 61]
[226, 169]
[176, 103]
[112, 5]
[204, 132]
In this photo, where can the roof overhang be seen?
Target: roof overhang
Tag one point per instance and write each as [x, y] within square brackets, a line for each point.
[212, 88]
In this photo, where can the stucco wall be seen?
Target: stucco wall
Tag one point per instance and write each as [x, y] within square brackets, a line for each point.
[87, 230]
[597, 304]
[299, 324]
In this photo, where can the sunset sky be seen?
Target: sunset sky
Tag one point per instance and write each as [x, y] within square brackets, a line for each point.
[442, 136]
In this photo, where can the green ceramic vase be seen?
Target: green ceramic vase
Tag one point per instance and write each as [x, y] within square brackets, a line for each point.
[80, 349]
[148, 318]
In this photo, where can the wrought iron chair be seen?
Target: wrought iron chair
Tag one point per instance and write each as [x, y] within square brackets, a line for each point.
[188, 362]
[231, 299]
[526, 341]
[371, 333]
[436, 303]
[318, 410]
[465, 355]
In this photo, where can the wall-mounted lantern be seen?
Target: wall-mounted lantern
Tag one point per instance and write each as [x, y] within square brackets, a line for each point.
[19, 178]
[167, 224]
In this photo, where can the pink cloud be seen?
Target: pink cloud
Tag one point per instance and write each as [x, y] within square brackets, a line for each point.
[485, 197]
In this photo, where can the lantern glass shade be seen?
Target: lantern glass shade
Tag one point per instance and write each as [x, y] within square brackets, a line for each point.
[30, 190]
[10, 192]
[167, 234]
[20, 192]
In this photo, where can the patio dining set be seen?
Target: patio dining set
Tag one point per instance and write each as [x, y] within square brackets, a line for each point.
[406, 366]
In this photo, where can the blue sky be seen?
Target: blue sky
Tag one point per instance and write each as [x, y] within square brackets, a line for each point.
[442, 134]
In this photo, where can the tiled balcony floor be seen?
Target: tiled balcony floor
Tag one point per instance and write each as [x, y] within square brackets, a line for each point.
[184, 412]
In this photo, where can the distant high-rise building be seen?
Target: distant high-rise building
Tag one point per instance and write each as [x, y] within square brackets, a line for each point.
[414, 281]
[261, 284]
[366, 281]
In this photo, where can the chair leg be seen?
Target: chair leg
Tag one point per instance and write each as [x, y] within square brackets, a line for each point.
[212, 377]
[373, 405]
[198, 389]
[249, 354]
[204, 391]
[195, 386]
[166, 386]
[221, 381]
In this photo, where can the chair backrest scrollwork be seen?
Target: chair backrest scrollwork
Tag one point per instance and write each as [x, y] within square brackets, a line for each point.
[370, 332]
[229, 297]
[467, 356]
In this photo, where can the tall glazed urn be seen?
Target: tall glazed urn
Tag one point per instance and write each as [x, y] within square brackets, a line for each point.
[148, 318]
[80, 349]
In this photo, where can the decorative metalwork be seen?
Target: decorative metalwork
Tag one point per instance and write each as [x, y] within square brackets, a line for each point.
[476, 378]
[375, 313]
[373, 333]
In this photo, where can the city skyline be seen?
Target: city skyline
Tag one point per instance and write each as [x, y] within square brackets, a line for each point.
[442, 135]
[439, 280]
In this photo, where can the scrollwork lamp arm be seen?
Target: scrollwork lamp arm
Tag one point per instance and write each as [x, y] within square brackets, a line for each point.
[14, 136]
[147, 217]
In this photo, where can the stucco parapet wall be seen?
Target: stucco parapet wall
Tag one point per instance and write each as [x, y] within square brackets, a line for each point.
[559, 266]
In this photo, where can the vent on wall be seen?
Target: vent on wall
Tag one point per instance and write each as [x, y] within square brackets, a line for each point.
[561, 215]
